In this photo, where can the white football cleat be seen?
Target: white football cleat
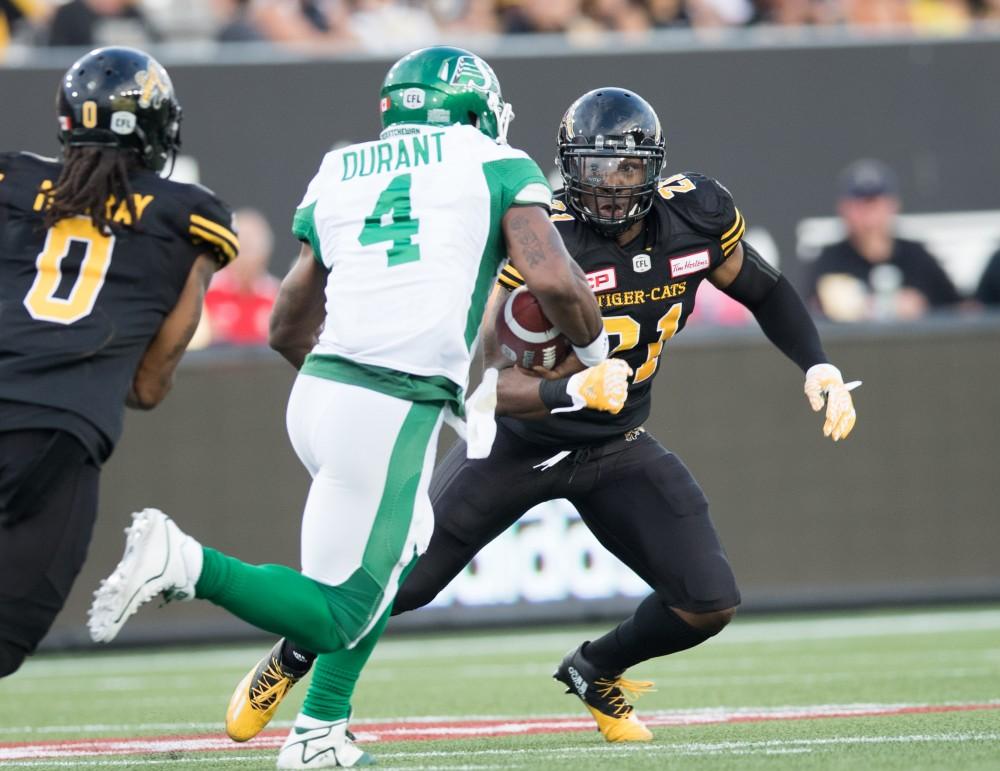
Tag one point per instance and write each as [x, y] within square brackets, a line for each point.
[159, 559]
[315, 743]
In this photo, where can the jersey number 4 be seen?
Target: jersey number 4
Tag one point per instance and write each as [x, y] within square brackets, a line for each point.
[78, 301]
[390, 221]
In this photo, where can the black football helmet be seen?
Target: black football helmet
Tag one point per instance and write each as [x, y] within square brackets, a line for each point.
[611, 151]
[120, 97]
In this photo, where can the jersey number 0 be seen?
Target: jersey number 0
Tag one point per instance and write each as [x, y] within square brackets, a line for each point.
[41, 300]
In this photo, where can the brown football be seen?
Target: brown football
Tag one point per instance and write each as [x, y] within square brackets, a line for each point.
[525, 335]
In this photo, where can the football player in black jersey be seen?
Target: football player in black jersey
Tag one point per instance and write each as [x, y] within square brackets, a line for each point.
[103, 265]
[645, 245]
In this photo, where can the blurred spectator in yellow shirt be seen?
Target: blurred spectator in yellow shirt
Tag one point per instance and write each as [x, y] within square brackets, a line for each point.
[15, 15]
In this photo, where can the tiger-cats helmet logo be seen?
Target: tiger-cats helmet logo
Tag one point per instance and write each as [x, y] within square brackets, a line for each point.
[472, 72]
[155, 88]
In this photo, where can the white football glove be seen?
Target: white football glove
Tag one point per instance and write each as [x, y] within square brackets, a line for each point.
[480, 416]
[603, 387]
[825, 383]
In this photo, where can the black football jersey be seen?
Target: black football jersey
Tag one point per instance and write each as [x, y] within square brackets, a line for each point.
[78, 307]
[646, 291]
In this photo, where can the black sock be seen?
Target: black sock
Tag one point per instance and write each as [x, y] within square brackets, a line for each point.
[653, 630]
[295, 660]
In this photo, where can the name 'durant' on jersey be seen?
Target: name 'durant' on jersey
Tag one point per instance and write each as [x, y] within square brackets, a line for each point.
[405, 151]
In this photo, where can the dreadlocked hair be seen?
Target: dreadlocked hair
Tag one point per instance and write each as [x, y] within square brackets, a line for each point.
[90, 176]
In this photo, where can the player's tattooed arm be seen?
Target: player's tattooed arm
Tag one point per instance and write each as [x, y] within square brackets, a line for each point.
[154, 376]
[537, 252]
[300, 309]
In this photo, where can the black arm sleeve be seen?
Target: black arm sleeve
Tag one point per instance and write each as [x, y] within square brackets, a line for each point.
[778, 309]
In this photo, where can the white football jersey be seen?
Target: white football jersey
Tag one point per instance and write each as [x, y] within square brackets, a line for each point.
[409, 227]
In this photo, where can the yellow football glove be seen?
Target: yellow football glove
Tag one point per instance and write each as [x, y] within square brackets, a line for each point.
[603, 387]
[824, 381]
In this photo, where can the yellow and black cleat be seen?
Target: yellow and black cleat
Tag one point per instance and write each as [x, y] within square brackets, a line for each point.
[604, 695]
[258, 695]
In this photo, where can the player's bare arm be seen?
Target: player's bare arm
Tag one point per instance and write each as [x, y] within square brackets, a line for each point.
[154, 376]
[299, 310]
[783, 317]
[537, 252]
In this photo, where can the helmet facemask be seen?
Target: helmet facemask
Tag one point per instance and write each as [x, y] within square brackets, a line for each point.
[611, 182]
[503, 113]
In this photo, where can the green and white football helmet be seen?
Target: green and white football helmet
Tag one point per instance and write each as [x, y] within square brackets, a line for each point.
[441, 86]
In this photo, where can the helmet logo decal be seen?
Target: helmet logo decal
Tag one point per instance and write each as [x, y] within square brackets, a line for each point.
[472, 72]
[569, 121]
[154, 88]
[413, 98]
[384, 104]
[437, 115]
[123, 122]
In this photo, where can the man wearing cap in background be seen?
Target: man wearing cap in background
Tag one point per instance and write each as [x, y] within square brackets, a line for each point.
[872, 273]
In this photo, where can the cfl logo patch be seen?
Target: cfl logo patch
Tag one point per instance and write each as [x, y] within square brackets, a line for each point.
[123, 122]
[413, 98]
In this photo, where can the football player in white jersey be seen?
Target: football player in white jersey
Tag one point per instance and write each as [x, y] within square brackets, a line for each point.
[402, 241]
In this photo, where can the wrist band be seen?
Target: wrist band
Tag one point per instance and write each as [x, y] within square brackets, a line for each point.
[554, 395]
[595, 352]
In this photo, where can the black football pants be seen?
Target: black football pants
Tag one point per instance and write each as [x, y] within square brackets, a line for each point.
[637, 498]
[48, 504]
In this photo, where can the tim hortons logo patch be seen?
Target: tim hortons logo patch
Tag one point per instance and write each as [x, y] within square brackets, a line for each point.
[689, 263]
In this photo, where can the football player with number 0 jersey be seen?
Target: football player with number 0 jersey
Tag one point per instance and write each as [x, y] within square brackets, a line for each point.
[418, 221]
[645, 245]
[103, 265]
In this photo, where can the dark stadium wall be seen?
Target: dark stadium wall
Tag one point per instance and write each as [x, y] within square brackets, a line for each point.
[905, 510]
[774, 125]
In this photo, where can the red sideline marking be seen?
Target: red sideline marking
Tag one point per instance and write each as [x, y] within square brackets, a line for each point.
[419, 731]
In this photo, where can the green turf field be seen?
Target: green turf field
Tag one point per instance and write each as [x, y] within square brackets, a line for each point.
[907, 690]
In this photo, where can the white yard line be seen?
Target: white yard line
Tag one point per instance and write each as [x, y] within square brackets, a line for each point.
[381, 732]
[691, 749]
[665, 717]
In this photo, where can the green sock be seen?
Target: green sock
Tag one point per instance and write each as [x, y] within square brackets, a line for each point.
[274, 598]
[336, 674]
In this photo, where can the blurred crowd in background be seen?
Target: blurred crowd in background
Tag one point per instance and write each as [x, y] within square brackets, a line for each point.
[376, 25]
[871, 273]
